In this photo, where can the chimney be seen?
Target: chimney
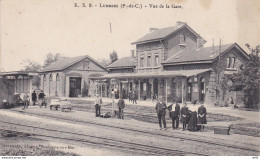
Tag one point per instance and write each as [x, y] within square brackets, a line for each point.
[200, 42]
[153, 29]
[213, 47]
[132, 54]
[178, 23]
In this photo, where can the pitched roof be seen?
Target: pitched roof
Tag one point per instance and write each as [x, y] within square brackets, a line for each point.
[123, 62]
[163, 33]
[202, 54]
[66, 62]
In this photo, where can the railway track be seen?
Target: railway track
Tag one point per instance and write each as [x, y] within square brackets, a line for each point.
[146, 132]
[104, 141]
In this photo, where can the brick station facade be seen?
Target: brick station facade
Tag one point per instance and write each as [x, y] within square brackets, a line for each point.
[172, 63]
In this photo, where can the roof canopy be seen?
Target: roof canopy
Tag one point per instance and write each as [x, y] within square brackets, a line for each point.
[18, 73]
[179, 73]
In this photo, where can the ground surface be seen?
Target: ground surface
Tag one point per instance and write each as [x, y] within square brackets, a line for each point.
[40, 131]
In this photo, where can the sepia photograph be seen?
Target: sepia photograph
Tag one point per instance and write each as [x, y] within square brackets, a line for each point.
[129, 78]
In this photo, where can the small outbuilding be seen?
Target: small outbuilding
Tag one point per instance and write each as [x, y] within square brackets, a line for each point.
[69, 77]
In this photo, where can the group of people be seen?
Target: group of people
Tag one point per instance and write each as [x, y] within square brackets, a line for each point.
[119, 113]
[26, 99]
[188, 117]
[132, 95]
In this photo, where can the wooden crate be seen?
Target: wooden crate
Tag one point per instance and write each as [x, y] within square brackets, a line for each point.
[222, 130]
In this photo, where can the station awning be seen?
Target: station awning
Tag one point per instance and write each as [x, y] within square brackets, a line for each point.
[179, 73]
[18, 73]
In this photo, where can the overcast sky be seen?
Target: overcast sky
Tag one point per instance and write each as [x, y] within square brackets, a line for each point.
[30, 29]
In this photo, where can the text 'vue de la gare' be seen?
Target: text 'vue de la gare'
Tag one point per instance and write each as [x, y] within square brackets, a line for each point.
[126, 6]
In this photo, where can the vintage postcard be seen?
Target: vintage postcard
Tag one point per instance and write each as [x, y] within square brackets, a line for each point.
[129, 78]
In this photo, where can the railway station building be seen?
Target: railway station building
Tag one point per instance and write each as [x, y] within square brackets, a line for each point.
[69, 77]
[172, 63]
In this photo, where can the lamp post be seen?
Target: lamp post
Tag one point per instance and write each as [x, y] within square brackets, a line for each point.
[113, 103]
[113, 98]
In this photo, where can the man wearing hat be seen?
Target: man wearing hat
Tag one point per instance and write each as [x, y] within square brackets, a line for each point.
[184, 113]
[121, 106]
[98, 102]
[161, 112]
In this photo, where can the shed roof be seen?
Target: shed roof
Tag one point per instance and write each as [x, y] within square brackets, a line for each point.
[122, 63]
[66, 62]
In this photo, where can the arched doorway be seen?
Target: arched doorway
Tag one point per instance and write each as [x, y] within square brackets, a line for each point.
[189, 89]
[202, 89]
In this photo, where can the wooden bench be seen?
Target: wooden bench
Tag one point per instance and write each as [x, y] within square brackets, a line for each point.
[222, 130]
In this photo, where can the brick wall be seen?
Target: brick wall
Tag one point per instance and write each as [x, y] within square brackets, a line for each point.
[221, 67]
[172, 42]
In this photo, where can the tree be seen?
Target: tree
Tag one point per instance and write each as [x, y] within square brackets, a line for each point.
[113, 56]
[32, 66]
[51, 58]
[104, 62]
[247, 80]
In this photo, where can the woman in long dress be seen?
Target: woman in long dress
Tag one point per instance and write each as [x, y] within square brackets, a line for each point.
[202, 112]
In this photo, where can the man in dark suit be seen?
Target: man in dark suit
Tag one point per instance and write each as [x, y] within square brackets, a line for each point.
[176, 116]
[121, 106]
[134, 96]
[184, 113]
[34, 97]
[161, 112]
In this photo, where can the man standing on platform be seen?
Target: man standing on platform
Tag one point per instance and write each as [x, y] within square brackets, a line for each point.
[130, 95]
[98, 102]
[26, 100]
[41, 98]
[184, 112]
[161, 112]
[134, 97]
[121, 106]
[34, 97]
[176, 116]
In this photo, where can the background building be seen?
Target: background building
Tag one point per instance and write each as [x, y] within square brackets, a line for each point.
[69, 77]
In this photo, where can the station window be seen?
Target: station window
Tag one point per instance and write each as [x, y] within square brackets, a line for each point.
[182, 39]
[228, 62]
[51, 77]
[148, 61]
[44, 77]
[57, 77]
[142, 62]
[233, 61]
[156, 60]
